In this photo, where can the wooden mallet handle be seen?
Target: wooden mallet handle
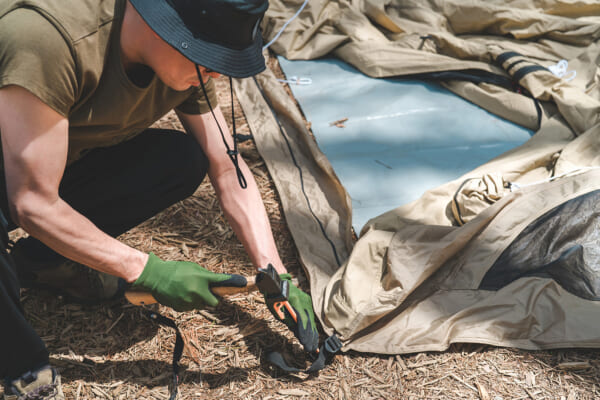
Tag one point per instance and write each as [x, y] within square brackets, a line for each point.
[145, 298]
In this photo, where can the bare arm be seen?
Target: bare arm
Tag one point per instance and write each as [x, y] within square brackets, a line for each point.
[34, 145]
[243, 208]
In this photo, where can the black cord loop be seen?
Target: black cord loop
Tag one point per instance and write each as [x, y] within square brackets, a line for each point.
[232, 153]
[177, 351]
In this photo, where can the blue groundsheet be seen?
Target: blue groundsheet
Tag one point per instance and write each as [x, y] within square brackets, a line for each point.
[401, 137]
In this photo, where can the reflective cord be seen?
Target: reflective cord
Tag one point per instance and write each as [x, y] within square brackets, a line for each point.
[232, 153]
[516, 186]
[561, 70]
[266, 46]
[294, 80]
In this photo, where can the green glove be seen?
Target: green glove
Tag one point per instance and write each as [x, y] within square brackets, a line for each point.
[304, 328]
[183, 285]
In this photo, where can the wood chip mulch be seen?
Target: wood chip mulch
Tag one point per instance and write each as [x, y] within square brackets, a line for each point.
[115, 352]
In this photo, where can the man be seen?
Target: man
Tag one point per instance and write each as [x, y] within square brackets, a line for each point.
[80, 83]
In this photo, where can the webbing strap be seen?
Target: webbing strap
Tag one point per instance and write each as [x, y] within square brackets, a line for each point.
[521, 72]
[506, 55]
[4, 238]
[328, 349]
[513, 64]
[330, 346]
[177, 351]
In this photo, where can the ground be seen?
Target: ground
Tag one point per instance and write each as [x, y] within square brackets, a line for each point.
[115, 352]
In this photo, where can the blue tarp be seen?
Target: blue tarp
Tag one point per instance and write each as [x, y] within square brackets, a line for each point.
[402, 137]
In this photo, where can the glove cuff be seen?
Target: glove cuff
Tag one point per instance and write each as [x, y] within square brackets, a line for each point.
[148, 275]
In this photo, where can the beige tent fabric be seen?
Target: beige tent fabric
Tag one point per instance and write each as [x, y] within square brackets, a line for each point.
[443, 35]
[321, 225]
[475, 195]
[411, 282]
[433, 272]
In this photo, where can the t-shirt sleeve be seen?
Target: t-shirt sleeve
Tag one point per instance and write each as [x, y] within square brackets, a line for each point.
[35, 56]
[196, 103]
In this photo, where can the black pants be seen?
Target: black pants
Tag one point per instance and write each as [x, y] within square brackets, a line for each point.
[116, 188]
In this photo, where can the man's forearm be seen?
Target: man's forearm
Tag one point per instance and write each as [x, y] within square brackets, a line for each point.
[243, 208]
[34, 147]
[72, 235]
[245, 212]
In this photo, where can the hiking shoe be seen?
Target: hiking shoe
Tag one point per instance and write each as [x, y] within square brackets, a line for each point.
[42, 384]
[74, 281]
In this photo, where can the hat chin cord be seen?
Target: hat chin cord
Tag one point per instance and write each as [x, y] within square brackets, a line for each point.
[232, 153]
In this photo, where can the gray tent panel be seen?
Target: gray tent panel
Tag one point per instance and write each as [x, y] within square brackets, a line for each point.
[562, 245]
[401, 137]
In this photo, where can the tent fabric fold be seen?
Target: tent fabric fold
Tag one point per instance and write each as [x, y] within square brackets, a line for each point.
[478, 259]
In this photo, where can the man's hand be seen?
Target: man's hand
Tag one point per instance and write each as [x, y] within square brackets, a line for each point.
[183, 285]
[303, 327]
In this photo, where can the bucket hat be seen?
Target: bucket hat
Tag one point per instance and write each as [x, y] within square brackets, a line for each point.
[221, 35]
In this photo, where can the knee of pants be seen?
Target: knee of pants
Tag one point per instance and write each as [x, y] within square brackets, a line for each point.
[191, 164]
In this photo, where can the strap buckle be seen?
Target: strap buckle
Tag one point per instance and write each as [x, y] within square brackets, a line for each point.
[332, 344]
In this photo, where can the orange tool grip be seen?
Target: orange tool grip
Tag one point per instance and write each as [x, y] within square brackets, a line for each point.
[278, 307]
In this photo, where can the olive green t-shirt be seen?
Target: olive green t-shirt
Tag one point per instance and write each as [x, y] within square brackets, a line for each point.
[67, 53]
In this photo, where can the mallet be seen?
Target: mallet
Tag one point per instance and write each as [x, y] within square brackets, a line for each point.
[145, 298]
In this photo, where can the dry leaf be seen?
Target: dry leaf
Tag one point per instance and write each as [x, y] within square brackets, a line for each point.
[346, 389]
[483, 393]
[185, 250]
[292, 392]
[530, 379]
[339, 123]
[574, 365]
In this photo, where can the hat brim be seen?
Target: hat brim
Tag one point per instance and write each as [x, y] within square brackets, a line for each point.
[167, 24]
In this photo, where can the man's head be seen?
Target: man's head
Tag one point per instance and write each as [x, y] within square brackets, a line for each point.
[221, 35]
